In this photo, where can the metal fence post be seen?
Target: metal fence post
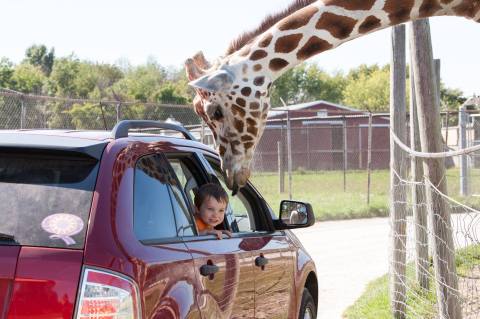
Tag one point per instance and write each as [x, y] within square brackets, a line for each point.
[289, 151]
[281, 167]
[369, 157]
[345, 155]
[22, 111]
[463, 118]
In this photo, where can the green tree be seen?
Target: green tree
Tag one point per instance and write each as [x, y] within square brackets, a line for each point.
[63, 80]
[28, 79]
[38, 55]
[368, 88]
[6, 73]
[141, 83]
[451, 98]
[305, 83]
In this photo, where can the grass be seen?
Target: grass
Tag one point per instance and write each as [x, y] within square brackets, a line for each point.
[325, 191]
[375, 301]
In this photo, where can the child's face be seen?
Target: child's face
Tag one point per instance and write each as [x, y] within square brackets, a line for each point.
[212, 211]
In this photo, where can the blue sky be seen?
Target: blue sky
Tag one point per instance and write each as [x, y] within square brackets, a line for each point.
[172, 30]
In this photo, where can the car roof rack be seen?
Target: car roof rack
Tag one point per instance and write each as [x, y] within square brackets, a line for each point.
[122, 128]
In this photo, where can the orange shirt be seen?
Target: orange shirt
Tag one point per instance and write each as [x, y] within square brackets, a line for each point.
[201, 226]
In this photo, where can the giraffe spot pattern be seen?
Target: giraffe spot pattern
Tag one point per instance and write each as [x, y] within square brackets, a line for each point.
[288, 43]
[313, 46]
[429, 8]
[257, 67]
[297, 19]
[238, 124]
[246, 91]
[398, 11]
[241, 102]
[248, 145]
[255, 113]
[258, 54]
[221, 150]
[277, 64]
[339, 26]
[246, 138]
[259, 80]
[254, 105]
[467, 8]
[265, 41]
[369, 24]
[237, 110]
[258, 94]
[352, 4]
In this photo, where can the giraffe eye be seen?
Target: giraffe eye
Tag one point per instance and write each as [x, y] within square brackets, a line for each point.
[217, 115]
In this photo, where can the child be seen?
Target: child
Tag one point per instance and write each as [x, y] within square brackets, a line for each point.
[210, 204]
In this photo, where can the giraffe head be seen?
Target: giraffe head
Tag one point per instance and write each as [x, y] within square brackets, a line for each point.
[234, 104]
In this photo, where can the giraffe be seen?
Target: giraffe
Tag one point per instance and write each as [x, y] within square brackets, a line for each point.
[232, 93]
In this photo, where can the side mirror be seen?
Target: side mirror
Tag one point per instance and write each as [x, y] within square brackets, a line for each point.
[294, 214]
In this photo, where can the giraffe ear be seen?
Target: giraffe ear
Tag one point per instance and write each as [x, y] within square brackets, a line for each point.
[219, 80]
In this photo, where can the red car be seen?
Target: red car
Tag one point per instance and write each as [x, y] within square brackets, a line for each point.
[99, 225]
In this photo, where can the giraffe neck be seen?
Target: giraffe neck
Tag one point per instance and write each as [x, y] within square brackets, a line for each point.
[324, 25]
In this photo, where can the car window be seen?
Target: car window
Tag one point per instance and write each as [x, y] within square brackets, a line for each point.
[45, 197]
[239, 208]
[187, 186]
[153, 211]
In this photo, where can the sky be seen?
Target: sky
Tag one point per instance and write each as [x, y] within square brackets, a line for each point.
[170, 31]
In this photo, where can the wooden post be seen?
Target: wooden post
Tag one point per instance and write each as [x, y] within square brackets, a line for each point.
[431, 141]
[281, 168]
[369, 157]
[398, 210]
[418, 197]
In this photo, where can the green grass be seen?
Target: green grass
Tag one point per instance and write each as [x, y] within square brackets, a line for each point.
[325, 191]
[374, 303]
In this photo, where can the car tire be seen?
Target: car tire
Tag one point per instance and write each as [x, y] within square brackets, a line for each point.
[308, 310]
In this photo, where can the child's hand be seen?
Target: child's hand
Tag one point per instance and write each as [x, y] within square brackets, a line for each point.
[219, 233]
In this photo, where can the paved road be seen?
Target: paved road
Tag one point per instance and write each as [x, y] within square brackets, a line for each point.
[348, 254]
[351, 253]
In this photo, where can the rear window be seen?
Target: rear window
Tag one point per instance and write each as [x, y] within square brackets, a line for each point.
[45, 198]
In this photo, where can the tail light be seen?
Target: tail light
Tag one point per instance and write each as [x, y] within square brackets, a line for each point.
[105, 295]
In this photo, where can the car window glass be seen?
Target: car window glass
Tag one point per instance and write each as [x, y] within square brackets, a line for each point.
[153, 211]
[34, 186]
[188, 184]
[239, 208]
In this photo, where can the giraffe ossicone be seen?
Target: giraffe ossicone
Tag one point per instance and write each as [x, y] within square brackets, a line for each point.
[233, 93]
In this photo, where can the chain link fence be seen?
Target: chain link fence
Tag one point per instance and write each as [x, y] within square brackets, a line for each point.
[24, 111]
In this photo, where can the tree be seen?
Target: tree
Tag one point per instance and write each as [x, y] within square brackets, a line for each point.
[63, 79]
[368, 88]
[306, 83]
[142, 82]
[37, 55]
[28, 79]
[451, 99]
[6, 73]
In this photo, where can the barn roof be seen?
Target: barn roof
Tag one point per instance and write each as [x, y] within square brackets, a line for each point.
[302, 106]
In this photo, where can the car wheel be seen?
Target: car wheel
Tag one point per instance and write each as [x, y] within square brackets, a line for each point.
[307, 308]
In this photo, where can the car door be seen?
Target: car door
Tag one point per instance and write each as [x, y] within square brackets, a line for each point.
[273, 252]
[167, 279]
[224, 269]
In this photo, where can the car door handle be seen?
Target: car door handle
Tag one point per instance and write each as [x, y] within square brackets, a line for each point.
[208, 270]
[261, 261]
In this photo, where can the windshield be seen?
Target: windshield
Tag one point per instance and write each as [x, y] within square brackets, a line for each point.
[45, 198]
